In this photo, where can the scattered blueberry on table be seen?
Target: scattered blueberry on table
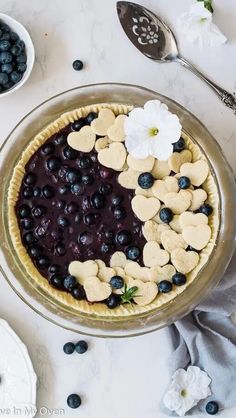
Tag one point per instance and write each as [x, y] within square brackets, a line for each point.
[74, 401]
[69, 348]
[12, 58]
[212, 408]
[81, 347]
[78, 65]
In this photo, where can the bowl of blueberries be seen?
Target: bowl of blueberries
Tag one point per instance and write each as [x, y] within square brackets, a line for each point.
[16, 55]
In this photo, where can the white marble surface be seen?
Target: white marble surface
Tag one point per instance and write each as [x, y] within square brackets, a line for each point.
[118, 378]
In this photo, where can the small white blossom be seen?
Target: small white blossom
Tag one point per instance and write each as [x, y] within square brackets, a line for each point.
[197, 26]
[151, 131]
[187, 388]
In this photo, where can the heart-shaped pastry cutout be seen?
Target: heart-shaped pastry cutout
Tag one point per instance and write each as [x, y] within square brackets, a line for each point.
[83, 140]
[161, 187]
[140, 165]
[102, 123]
[178, 158]
[198, 198]
[95, 290]
[160, 169]
[118, 259]
[184, 261]
[197, 236]
[128, 179]
[152, 231]
[192, 219]
[145, 207]
[171, 240]
[157, 274]
[146, 292]
[178, 202]
[82, 270]
[102, 143]
[153, 255]
[104, 273]
[116, 131]
[175, 225]
[144, 192]
[134, 270]
[114, 156]
[197, 172]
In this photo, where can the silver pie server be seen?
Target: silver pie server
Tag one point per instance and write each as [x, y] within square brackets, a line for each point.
[156, 40]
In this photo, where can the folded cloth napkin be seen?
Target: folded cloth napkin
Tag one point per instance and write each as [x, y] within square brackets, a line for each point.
[207, 338]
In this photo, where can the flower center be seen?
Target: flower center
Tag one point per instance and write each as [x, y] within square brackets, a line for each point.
[183, 393]
[202, 19]
[153, 131]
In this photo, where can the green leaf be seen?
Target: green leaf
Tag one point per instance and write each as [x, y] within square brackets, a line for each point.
[128, 294]
[208, 5]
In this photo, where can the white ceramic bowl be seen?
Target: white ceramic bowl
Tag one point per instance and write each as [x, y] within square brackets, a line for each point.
[24, 35]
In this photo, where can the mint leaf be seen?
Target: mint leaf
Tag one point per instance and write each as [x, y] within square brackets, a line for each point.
[128, 294]
[208, 5]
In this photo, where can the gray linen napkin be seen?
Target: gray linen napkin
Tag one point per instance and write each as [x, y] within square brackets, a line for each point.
[207, 338]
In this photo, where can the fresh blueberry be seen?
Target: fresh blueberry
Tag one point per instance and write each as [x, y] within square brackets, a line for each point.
[29, 238]
[5, 57]
[16, 76]
[14, 36]
[77, 189]
[109, 235]
[43, 262]
[84, 162]
[6, 68]
[60, 139]
[24, 211]
[105, 173]
[64, 222]
[3, 79]
[71, 207]
[116, 200]
[57, 281]
[145, 180]
[90, 219]
[5, 27]
[132, 253]
[124, 237]
[38, 211]
[117, 282]
[74, 401]
[179, 145]
[77, 218]
[105, 248]
[21, 59]
[28, 192]
[47, 149]
[73, 176]
[179, 279]
[165, 286]
[90, 117]
[69, 348]
[21, 43]
[8, 85]
[35, 251]
[113, 301]
[105, 188]
[166, 215]
[64, 189]
[87, 179]
[4, 45]
[78, 65]
[53, 163]
[16, 50]
[81, 347]
[206, 209]
[78, 124]
[37, 192]
[184, 182]
[5, 37]
[69, 282]
[119, 213]
[97, 200]
[48, 192]
[78, 292]
[27, 223]
[212, 408]
[21, 68]
[30, 179]
[70, 153]
[54, 268]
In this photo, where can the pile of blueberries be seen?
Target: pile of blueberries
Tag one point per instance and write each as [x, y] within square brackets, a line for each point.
[12, 58]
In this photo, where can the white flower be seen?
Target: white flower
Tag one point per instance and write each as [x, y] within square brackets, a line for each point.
[198, 28]
[151, 131]
[187, 389]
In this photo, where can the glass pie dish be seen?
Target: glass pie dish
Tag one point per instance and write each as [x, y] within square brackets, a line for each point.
[60, 314]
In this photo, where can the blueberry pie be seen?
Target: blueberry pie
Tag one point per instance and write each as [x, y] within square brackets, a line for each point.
[113, 210]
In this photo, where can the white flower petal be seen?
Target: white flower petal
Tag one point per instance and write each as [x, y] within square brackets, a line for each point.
[137, 146]
[159, 152]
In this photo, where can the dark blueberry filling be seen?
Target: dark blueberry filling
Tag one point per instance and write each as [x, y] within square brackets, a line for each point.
[71, 207]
